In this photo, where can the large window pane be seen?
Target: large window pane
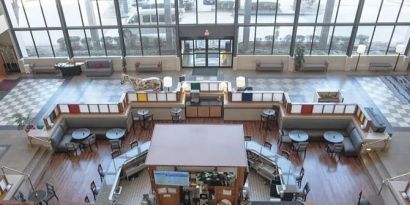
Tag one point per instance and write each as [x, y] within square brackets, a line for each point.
[370, 11]
[347, 11]
[304, 37]
[246, 37]
[282, 42]
[148, 12]
[150, 41]
[112, 42]
[71, 12]
[405, 12]
[321, 40]
[266, 11]
[340, 41]
[132, 41]
[247, 11]
[107, 12]
[308, 9]
[364, 33]
[16, 13]
[206, 11]
[380, 40]
[58, 41]
[166, 12]
[401, 36]
[286, 11]
[167, 38]
[51, 13]
[42, 44]
[188, 12]
[26, 44]
[327, 11]
[95, 42]
[34, 15]
[264, 40]
[78, 45]
[389, 11]
[225, 11]
[89, 12]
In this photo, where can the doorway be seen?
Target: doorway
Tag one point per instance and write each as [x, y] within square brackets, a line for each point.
[206, 52]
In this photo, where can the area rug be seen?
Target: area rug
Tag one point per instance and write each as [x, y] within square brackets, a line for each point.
[205, 71]
[3, 150]
[7, 85]
[399, 85]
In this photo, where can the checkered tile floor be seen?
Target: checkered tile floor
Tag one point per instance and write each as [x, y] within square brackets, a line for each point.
[396, 113]
[27, 97]
[299, 89]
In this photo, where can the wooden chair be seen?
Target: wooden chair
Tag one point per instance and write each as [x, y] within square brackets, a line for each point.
[135, 119]
[302, 196]
[283, 138]
[299, 177]
[92, 140]
[149, 120]
[86, 200]
[115, 154]
[101, 172]
[116, 145]
[300, 147]
[285, 154]
[264, 121]
[94, 190]
[72, 148]
[51, 193]
[134, 143]
[334, 149]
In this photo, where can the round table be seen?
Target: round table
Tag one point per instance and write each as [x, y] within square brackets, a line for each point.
[115, 134]
[142, 112]
[333, 137]
[37, 196]
[269, 112]
[298, 136]
[176, 110]
[80, 134]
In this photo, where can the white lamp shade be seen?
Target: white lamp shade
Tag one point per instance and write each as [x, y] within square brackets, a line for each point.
[167, 82]
[400, 48]
[240, 82]
[361, 49]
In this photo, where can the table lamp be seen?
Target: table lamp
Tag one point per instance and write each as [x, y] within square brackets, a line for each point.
[240, 82]
[360, 50]
[167, 82]
[400, 48]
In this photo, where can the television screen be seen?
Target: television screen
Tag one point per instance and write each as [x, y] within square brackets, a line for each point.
[171, 178]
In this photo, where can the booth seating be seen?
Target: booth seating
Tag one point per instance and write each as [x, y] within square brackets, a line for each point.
[269, 67]
[380, 66]
[148, 67]
[317, 126]
[98, 67]
[134, 165]
[315, 67]
[62, 131]
[37, 69]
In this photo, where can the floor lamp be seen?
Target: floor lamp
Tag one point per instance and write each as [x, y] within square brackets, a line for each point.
[360, 50]
[399, 50]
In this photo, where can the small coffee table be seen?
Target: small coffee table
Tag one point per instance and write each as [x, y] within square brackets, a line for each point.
[37, 196]
[115, 134]
[80, 134]
[269, 112]
[298, 136]
[143, 113]
[333, 137]
[176, 110]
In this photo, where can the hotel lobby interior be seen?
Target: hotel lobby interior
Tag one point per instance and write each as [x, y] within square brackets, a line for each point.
[205, 102]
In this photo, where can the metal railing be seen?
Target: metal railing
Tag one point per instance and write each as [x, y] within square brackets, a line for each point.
[39, 139]
[20, 172]
[390, 179]
[367, 146]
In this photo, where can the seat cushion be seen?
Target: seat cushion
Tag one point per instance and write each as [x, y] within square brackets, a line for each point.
[356, 139]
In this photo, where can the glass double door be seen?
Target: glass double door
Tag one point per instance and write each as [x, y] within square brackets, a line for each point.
[206, 53]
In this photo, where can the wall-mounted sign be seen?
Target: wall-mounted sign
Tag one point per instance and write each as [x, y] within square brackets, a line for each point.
[171, 178]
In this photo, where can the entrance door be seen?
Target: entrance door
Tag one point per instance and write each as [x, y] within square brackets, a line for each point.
[206, 53]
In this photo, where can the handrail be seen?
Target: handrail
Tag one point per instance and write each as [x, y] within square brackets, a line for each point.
[391, 178]
[20, 172]
[377, 142]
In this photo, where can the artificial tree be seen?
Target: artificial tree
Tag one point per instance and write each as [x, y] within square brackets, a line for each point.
[299, 57]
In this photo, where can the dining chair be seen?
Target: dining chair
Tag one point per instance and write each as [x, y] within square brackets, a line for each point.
[264, 121]
[87, 200]
[283, 138]
[115, 154]
[299, 177]
[267, 145]
[116, 145]
[303, 195]
[134, 143]
[287, 196]
[285, 154]
[335, 149]
[135, 119]
[300, 147]
[94, 190]
[51, 193]
[149, 119]
[71, 148]
[101, 172]
[91, 140]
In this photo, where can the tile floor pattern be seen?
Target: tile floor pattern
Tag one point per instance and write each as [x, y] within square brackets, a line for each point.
[396, 113]
[27, 97]
[299, 89]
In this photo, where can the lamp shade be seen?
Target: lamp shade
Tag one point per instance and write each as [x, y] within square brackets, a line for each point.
[361, 48]
[240, 82]
[400, 48]
[167, 82]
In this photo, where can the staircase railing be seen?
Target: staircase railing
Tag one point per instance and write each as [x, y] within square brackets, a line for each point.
[19, 172]
[390, 179]
[367, 146]
[38, 139]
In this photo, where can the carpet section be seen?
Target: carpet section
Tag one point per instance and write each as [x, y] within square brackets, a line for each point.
[7, 85]
[205, 71]
[399, 85]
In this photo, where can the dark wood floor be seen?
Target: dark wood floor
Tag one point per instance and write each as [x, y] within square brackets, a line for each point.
[332, 182]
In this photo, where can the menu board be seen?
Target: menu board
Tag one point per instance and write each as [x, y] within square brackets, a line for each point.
[171, 178]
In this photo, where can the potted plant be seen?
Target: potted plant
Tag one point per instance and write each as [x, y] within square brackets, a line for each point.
[124, 64]
[23, 122]
[299, 57]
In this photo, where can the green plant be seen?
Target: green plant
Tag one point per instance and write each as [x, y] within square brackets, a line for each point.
[22, 121]
[299, 57]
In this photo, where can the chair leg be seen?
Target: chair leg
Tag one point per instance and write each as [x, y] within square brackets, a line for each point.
[304, 155]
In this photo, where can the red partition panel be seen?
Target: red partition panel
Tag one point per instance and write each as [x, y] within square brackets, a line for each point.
[73, 108]
[307, 109]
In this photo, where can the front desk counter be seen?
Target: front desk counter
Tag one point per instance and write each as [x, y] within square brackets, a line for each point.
[205, 108]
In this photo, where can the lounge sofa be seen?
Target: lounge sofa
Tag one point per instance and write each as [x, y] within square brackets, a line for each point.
[62, 132]
[98, 67]
[315, 127]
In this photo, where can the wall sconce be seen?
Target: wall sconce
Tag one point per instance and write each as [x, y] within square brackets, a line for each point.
[206, 33]
[360, 50]
[167, 82]
[240, 82]
[399, 50]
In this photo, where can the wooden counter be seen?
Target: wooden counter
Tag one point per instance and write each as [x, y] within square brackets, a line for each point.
[204, 109]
